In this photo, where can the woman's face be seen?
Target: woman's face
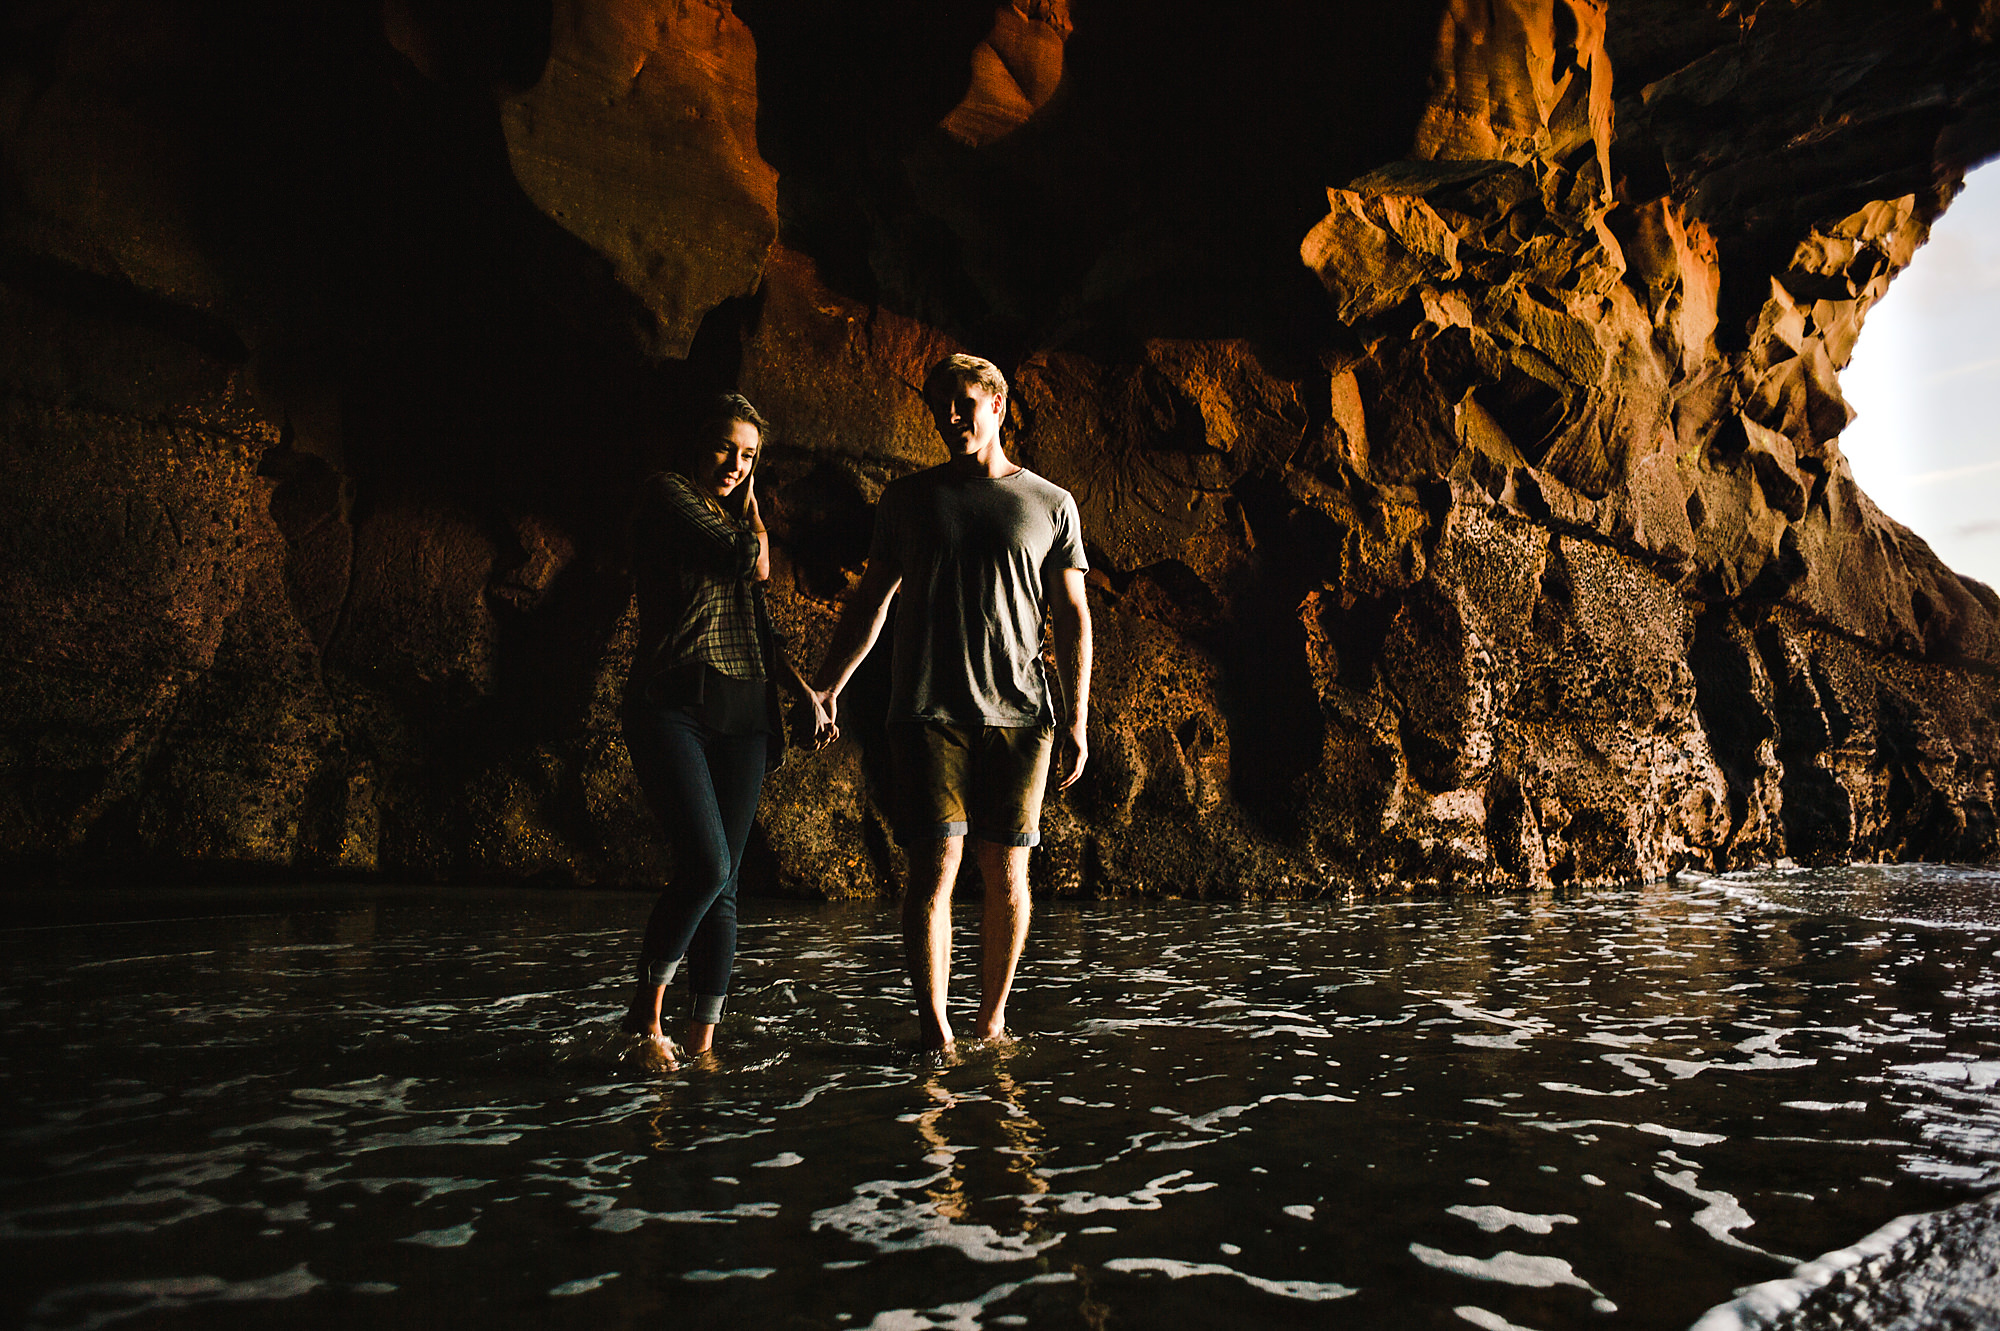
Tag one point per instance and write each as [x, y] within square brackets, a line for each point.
[726, 462]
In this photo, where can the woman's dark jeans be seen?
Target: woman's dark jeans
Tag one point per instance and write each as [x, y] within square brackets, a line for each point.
[703, 786]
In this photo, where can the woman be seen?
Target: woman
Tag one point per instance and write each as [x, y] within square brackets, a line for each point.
[700, 713]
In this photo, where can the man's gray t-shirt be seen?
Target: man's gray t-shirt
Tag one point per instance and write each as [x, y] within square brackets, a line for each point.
[974, 552]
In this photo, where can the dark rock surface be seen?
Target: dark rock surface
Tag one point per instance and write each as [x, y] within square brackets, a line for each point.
[1450, 391]
[1938, 1271]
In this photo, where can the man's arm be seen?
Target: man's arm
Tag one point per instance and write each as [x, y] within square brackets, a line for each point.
[860, 624]
[1072, 625]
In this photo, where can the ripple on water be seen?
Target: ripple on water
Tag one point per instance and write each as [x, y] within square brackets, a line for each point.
[1505, 1112]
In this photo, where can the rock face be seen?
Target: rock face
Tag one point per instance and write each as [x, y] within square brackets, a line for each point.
[1449, 390]
[1940, 1268]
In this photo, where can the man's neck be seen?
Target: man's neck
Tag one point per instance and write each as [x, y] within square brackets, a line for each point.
[988, 460]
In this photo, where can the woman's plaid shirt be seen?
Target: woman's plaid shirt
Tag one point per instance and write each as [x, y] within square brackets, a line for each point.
[696, 571]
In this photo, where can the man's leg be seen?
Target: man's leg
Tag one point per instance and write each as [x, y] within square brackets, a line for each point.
[1003, 871]
[1012, 773]
[927, 932]
[931, 764]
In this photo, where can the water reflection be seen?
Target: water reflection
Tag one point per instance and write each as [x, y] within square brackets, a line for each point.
[1608, 1109]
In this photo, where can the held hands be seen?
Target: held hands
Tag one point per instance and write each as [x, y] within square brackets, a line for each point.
[824, 707]
[1075, 753]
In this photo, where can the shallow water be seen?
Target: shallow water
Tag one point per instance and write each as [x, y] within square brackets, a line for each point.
[409, 1107]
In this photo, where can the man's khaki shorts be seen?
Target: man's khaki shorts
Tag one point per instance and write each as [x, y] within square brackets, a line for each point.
[983, 780]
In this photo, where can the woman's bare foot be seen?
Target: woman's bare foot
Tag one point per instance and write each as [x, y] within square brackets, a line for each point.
[636, 1022]
[655, 1047]
[643, 1016]
[643, 1020]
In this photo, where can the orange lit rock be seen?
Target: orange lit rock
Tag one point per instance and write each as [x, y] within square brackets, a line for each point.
[1516, 80]
[641, 140]
[1014, 71]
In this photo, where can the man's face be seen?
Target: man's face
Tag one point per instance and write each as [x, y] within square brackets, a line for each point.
[967, 416]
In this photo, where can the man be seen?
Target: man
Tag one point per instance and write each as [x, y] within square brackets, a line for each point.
[979, 547]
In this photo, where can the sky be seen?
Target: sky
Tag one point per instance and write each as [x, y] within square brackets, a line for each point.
[1925, 380]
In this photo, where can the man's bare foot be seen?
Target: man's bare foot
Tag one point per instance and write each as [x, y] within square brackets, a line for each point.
[936, 1060]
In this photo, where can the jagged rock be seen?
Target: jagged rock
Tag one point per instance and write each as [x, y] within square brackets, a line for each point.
[1484, 525]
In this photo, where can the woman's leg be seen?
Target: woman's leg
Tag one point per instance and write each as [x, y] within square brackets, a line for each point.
[669, 756]
[736, 769]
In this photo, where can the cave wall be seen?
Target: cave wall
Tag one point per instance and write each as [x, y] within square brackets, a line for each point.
[1449, 391]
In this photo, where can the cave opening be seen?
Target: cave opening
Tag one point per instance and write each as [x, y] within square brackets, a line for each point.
[1926, 369]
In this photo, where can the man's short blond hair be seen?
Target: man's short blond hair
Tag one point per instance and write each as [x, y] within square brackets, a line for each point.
[964, 369]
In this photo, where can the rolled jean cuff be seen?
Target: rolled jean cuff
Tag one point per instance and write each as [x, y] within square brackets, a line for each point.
[659, 974]
[706, 1009]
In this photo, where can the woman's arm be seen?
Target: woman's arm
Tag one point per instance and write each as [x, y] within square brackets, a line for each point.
[799, 681]
[692, 518]
[756, 520]
[825, 731]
